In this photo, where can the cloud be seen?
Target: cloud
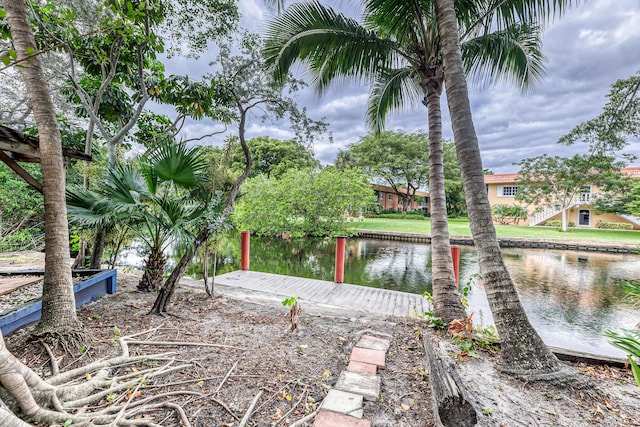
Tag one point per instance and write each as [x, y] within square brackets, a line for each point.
[587, 50]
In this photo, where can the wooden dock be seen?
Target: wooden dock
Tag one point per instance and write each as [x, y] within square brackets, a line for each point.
[339, 295]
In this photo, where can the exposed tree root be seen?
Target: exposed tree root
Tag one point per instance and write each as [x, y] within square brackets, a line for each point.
[105, 392]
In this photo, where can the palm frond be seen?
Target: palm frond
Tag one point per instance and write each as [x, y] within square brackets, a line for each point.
[504, 13]
[174, 162]
[406, 22]
[125, 185]
[330, 44]
[512, 55]
[86, 208]
[392, 90]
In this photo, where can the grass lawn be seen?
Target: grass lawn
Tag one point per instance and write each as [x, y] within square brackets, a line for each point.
[460, 227]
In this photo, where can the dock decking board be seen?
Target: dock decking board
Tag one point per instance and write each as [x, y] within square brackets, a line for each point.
[361, 298]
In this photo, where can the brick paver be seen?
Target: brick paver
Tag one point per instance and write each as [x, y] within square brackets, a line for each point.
[343, 402]
[365, 355]
[333, 419]
[362, 368]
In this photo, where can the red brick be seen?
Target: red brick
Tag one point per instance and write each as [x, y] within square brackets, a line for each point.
[365, 355]
[333, 419]
[362, 368]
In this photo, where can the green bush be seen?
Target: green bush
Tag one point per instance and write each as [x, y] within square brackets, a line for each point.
[509, 214]
[400, 216]
[614, 225]
[558, 223]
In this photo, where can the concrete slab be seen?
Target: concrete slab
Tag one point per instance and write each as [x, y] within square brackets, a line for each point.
[362, 368]
[343, 402]
[366, 342]
[366, 385]
[365, 355]
[333, 419]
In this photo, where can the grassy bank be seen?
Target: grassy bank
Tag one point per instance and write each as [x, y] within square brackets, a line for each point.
[460, 227]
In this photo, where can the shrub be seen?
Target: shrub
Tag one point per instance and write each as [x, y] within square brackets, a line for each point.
[509, 214]
[558, 223]
[399, 216]
[614, 225]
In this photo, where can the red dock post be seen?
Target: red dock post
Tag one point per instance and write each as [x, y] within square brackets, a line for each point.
[244, 250]
[341, 243]
[455, 256]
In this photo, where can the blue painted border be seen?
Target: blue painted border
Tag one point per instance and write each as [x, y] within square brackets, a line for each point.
[94, 287]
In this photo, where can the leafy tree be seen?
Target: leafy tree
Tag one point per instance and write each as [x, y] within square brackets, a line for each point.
[620, 119]
[456, 206]
[398, 49]
[273, 157]
[21, 211]
[523, 353]
[303, 202]
[606, 135]
[557, 182]
[400, 159]
[250, 88]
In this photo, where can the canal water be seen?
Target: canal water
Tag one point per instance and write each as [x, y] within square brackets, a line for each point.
[570, 297]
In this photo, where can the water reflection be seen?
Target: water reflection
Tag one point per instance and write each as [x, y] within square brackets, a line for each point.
[571, 298]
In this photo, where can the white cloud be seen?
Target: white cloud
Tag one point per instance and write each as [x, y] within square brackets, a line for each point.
[587, 50]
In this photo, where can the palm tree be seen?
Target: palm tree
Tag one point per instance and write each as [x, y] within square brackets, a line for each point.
[397, 48]
[156, 202]
[523, 352]
[58, 302]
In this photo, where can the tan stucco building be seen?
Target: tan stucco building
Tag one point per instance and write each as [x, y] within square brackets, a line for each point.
[502, 188]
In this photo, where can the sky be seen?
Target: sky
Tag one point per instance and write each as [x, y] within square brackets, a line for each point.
[587, 50]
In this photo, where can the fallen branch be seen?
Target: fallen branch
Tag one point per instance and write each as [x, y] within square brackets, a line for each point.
[183, 415]
[183, 343]
[247, 415]
[227, 376]
[225, 408]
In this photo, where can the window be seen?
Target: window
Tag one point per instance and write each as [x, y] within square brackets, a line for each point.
[507, 190]
[584, 217]
[390, 196]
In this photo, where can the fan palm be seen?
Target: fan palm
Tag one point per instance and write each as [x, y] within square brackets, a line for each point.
[397, 50]
[156, 201]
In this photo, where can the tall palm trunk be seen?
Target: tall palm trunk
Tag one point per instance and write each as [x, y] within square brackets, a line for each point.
[523, 352]
[58, 302]
[446, 301]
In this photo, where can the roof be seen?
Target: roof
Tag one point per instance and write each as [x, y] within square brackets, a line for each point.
[500, 178]
[507, 178]
[388, 189]
[633, 172]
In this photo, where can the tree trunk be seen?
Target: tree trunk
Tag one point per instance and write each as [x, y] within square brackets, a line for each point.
[97, 252]
[153, 271]
[446, 301]
[58, 302]
[564, 219]
[522, 351]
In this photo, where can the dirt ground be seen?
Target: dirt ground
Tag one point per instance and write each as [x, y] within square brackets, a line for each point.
[239, 345]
